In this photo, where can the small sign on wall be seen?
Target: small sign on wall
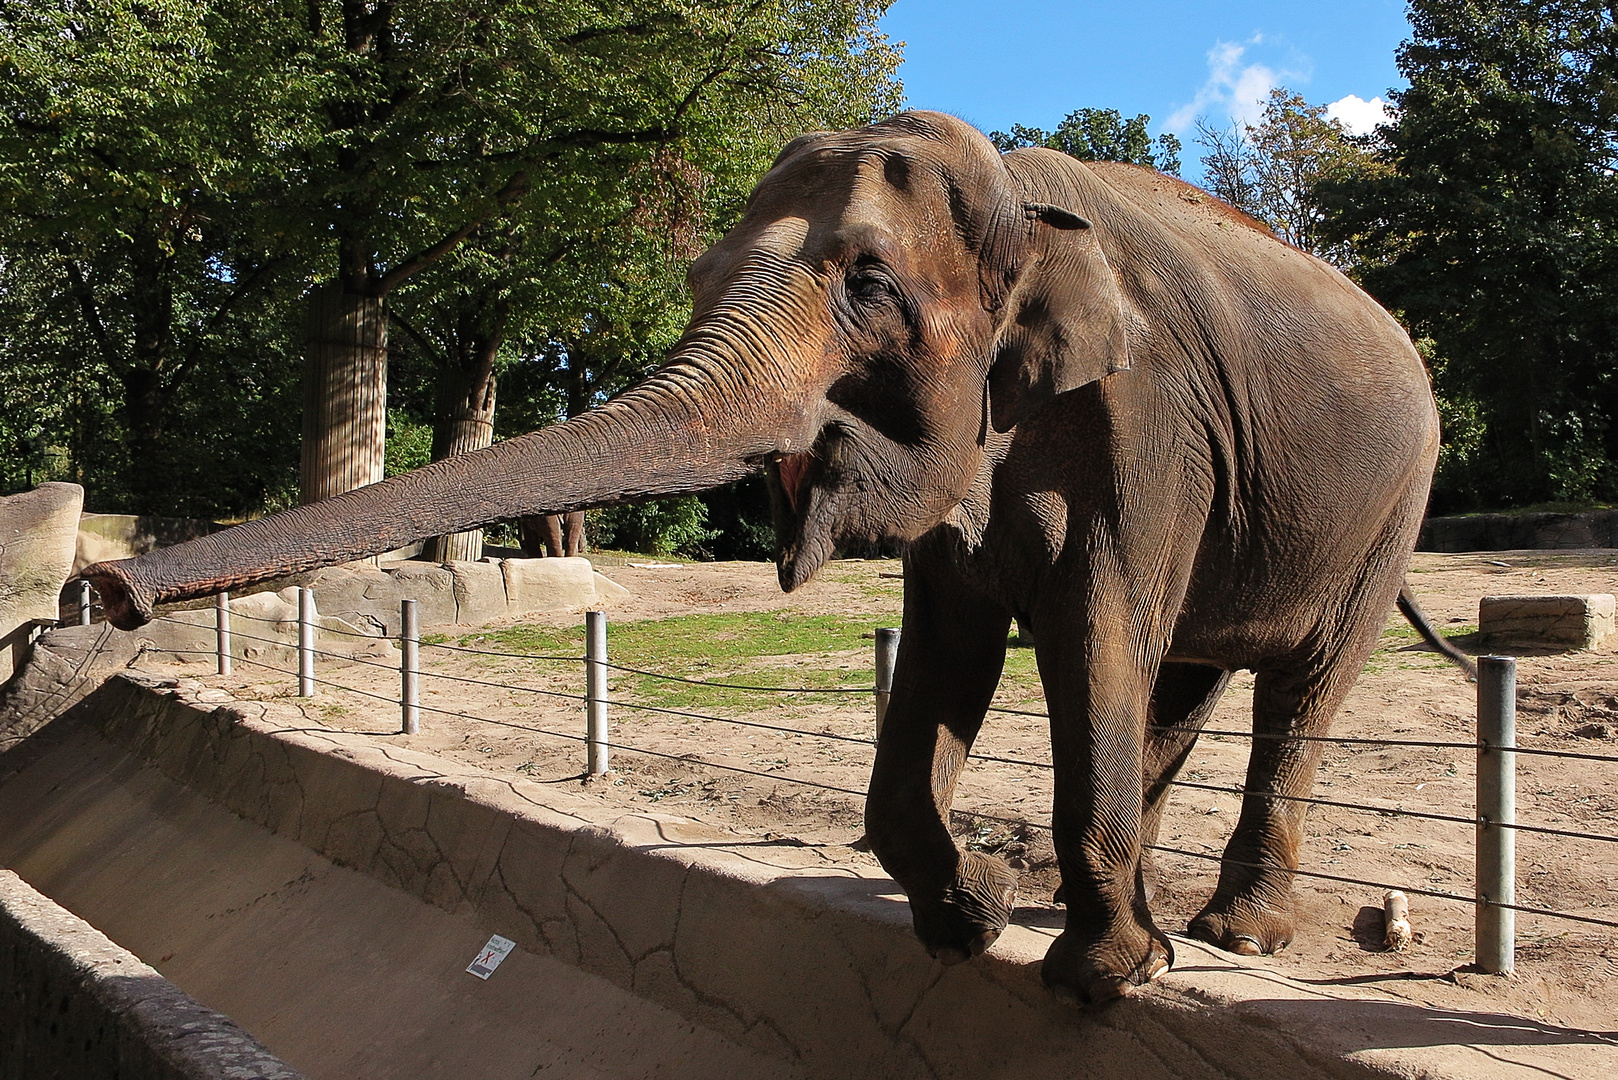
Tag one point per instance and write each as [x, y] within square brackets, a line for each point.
[491, 956]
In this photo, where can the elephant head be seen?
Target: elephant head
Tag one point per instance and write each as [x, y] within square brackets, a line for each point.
[889, 296]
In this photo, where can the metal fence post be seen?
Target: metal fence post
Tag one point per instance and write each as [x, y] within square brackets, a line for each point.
[84, 603]
[887, 654]
[1497, 806]
[410, 667]
[306, 643]
[595, 691]
[221, 616]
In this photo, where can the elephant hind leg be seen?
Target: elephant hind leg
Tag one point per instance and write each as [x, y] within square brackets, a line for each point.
[1252, 910]
[573, 544]
[1183, 698]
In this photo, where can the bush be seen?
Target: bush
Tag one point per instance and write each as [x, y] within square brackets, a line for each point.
[662, 527]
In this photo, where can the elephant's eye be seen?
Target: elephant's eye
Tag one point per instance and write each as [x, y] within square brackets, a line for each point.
[870, 284]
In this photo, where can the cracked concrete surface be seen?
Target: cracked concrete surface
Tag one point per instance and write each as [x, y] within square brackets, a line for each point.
[75, 1004]
[791, 965]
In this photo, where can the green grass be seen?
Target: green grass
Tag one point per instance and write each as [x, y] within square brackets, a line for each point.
[1390, 651]
[715, 647]
[1019, 680]
[770, 648]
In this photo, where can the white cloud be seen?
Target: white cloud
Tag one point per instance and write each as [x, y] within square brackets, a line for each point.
[1359, 116]
[1236, 88]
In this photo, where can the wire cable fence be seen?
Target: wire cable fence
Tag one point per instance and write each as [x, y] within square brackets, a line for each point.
[1496, 748]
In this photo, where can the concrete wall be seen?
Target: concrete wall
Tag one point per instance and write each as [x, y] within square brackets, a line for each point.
[1519, 532]
[73, 1004]
[783, 950]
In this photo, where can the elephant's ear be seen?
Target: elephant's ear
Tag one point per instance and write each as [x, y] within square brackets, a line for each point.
[1062, 323]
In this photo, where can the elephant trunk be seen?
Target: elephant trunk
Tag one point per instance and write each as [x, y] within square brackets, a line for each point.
[675, 434]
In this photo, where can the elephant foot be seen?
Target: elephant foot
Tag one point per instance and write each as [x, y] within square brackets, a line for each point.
[1244, 926]
[1096, 972]
[972, 911]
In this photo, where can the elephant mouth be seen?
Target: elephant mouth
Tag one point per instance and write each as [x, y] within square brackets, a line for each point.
[802, 534]
[795, 474]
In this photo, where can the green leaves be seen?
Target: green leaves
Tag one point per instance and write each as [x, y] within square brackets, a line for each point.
[1099, 135]
[1490, 225]
[173, 176]
[1270, 170]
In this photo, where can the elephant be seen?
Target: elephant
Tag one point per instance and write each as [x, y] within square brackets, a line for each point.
[1083, 395]
[552, 535]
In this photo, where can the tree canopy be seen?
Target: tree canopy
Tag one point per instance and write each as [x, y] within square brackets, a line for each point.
[175, 177]
[1490, 229]
[1270, 170]
[1099, 135]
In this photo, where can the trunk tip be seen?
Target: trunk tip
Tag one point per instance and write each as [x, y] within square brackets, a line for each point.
[123, 601]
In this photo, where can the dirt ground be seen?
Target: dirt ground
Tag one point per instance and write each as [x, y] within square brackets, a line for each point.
[747, 778]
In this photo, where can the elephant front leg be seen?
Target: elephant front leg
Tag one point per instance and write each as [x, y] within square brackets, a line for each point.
[1098, 702]
[949, 664]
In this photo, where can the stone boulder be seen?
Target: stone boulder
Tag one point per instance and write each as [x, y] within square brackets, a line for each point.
[264, 628]
[62, 667]
[548, 584]
[38, 535]
[1519, 532]
[433, 589]
[1556, 622]
[369, 598]
[480, 592]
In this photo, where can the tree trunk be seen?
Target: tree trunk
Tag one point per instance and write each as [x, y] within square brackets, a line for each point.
[345, 392]
[464, 422]
[557, 535]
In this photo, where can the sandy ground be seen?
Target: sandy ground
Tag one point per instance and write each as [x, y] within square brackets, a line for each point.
[744, 777]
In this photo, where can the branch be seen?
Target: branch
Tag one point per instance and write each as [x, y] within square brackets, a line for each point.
[514, 190]
[419, 338]
[243, 287]
[640, 29]
[92, 316]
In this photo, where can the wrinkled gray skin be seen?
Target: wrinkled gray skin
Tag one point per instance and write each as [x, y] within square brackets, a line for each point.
[1087, 396]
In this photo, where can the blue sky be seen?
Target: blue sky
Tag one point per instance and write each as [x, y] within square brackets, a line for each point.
[1019, 61]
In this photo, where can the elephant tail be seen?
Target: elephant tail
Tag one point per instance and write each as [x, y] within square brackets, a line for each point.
[1412, 611]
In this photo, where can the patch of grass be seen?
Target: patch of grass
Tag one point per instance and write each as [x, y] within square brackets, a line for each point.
[526, 640]
[827, 651]
[1393, 650]
[1019, 680]
[768, 649]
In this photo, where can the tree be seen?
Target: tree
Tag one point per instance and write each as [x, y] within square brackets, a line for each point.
[1099, 135]
[1269, 170]
[435, 120]
[173, 176]
[587, 269]
[127, 186]
[1491, 228]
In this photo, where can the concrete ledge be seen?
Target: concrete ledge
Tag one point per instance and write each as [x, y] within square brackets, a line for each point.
[74, 1004]
[1570, 622]
[1517, 532]
[785, 950]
